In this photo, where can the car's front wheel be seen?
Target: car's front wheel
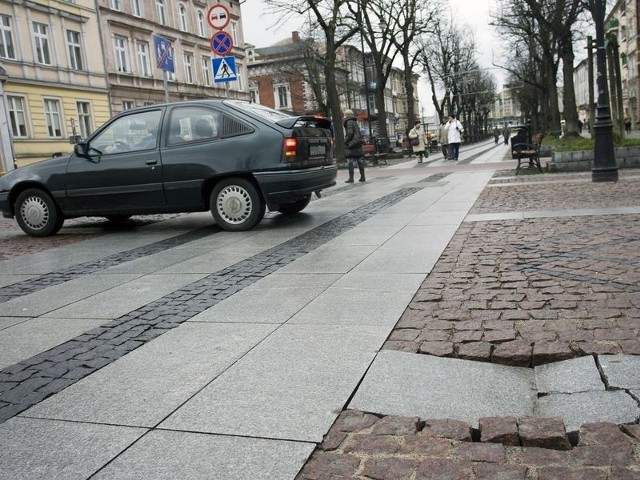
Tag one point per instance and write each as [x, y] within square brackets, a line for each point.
[297, 206]
[236, 205]
[37, 213]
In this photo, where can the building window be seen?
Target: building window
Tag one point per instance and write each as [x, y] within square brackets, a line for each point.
[84, 118]
[127, 104]
[254, 93]
[182, 15]
[206, 71]
[234, 32]
[188, 67]
[162, 12]
[122, 54]
[17, 116]
[75, 50]
[281, 94]
[239, 76]
[115, 4]
[136, 8]
[41, 39]
[6, 38]
[52, 116]
[143, 59]
[201, 31]
[171, 76]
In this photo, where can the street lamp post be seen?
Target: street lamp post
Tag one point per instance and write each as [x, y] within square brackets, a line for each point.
[604, 167]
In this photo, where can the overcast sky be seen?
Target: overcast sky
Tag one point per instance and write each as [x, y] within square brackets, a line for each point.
[263, 29]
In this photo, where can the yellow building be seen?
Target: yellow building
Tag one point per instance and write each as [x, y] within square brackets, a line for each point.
[56, 84]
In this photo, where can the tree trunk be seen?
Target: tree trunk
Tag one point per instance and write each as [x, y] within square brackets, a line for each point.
[569, 94]
[333, 99]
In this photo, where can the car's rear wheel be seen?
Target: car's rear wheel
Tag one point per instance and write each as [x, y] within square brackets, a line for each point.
[37, 213]
[236, 205]
[295, 207]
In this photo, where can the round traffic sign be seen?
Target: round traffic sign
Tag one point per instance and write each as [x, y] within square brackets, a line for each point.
[221, 43]
[218, 16]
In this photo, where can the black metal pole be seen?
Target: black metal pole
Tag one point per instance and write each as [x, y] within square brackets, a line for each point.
[604, 167]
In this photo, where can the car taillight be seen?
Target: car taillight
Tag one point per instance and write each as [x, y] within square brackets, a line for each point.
[290, 147]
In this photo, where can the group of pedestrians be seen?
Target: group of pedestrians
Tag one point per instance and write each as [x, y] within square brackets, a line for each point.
[449, 136]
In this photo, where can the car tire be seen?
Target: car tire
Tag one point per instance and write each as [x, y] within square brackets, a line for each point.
[236, 205]
[37, 214]
[295, 207]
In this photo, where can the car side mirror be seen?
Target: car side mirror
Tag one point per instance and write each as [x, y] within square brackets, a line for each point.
[81, 149]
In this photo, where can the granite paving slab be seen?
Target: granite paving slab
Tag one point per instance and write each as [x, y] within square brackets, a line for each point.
[329, 259]
[282, 280]
[47, 449]
[60, 295]
[415, 249]
[390, 282]
[166, 455]
[26, 339]
[621, 371]
[355, 306]
[6, 322]
[126, 297]
[576, 409]
[291, 386]
[569, 376]
[409, 384]
[205, 264]
[365, 236]
[268, 305]
[144, 387]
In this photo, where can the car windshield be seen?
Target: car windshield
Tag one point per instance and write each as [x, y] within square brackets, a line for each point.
[259, 110]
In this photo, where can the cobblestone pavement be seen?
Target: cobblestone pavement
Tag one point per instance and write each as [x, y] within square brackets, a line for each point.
[520, 292]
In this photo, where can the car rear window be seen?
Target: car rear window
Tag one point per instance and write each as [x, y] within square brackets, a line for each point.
[259, 111]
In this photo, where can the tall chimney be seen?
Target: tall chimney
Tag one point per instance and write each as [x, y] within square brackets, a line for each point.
[295, 37]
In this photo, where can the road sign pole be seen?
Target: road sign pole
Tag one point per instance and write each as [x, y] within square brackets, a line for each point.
[166, 86]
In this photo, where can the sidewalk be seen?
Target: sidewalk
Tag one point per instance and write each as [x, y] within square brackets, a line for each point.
[409, 327]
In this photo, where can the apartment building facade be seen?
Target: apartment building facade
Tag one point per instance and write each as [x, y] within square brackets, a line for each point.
[128, 28]
[55, 85]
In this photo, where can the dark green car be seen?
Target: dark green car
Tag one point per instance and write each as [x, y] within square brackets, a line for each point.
[231, 157]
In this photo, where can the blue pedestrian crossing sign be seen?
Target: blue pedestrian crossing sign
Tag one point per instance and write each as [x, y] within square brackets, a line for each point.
[164, 53]
[224, 69]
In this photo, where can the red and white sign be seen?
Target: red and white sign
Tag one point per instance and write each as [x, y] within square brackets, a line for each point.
[218, 16]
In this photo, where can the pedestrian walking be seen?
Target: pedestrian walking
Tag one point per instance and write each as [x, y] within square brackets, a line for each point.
[506, 133]
[443, 138]
[454, 135]
[353, 144]
[627, 125]
[418, 140]
[496, 134]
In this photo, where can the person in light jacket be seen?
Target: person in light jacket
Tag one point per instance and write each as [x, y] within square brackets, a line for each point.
[421, 148]
[454, 135]
[443, 138]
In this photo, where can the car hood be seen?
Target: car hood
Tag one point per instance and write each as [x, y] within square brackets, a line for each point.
[37, 172]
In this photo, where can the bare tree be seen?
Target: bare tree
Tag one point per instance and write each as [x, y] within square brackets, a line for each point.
[333, 19]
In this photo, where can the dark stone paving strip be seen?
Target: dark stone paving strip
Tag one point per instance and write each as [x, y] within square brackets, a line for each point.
[41, 282]
[29, 382]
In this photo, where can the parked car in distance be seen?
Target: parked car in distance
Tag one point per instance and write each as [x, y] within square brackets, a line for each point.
[231, 157]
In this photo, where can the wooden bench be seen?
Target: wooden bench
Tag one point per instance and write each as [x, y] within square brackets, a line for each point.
[370, 153]
[531, 151]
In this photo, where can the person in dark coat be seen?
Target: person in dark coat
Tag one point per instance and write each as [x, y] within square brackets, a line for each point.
[353, 145]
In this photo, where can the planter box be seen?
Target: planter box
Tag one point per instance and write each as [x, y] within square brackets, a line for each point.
[580, 161]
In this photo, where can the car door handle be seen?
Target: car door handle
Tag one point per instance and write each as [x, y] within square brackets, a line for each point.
[152, 162]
